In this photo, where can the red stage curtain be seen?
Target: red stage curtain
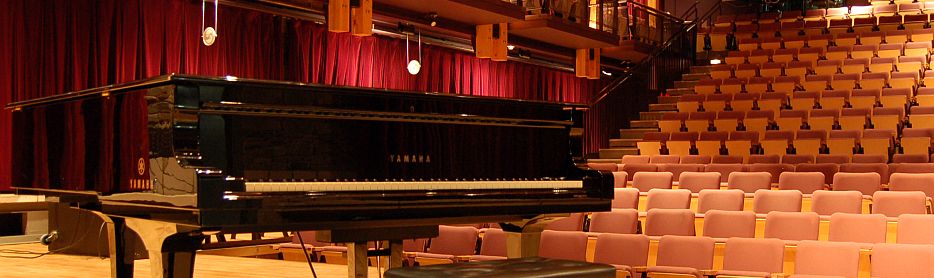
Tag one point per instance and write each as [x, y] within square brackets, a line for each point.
[55, 46]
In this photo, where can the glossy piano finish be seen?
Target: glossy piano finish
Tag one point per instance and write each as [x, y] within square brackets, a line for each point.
[188, 144]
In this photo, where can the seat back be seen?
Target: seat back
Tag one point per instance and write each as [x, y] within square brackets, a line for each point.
[749, 182]
[620, 249]
[792, 225]
[493, 243]
[646, 181]
[685, 251]
[765, 200]
[827, 258]
[625, 198]
[923, 182]
[863, 228]
[826, 202]
[454, 240]
[659, 222]
[902, 260]
[668, 199]
[865, 183]
[716, 199]
[697, 181]
[898, 203]
[618, 221]
[915, 229]
[574, 222]
[749, 254]
[564, 245]
[727, 224]
[806, 182]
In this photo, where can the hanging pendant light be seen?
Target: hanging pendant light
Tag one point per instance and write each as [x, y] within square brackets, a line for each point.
[414, 66]
[209, 34]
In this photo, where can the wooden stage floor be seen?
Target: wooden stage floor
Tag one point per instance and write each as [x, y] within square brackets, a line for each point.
[15, 264]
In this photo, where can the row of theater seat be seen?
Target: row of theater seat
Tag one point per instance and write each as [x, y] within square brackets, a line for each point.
[744, 68]
[702, 160]
[883, 44]
[781, 142]
[792, 84]
[854, 119]
[770, 102]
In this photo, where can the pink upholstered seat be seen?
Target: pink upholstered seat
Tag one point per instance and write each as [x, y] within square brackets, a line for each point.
[677, 169]
[827, 258]
[452, 241]
[880, 168]
[635, 159]
[869, 158]
[609, 167]
[695, 159]
[792, 225]
[825, 202]
[833, 158]
[645, 181]
[915, 229]
[725, 170]
[634, 168]
[727, 159]
[684, 255]
[618, 221]
[729, 199]
[749, 182]
[622, 251]
[766, 201]
[563, 245]
[697, 181]
[625, 198]
[659, 222]
[773, 169]
[828, 169]
[668, 199]
[727, 224]
[865, 183]
[902, 261]
[912, 182]
[750, 257]
[765, 158]
[806, 182]
[897, 203]
[862, 228]
[574, 222]
[492, 247]
[619, 179]
[665, 159]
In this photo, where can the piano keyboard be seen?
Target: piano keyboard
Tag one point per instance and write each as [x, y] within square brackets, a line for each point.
[411, 185]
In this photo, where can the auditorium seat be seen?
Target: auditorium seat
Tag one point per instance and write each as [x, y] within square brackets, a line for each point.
[864, 98]
[911, 168]
[910, 63]
[698, 122]
[722, 71]
[774, 169]
[686, 104]
[680, 143]
[805, 182]
[842, 143]
[869, 158]
[826, 203]
[563, 245]
[492, 246]
[697, 181]
[765, 201]
[915, 229]
[695, 159]
[902, 260]
[707, 86]
[864, 52]
[672, 122]
[794, 159]
[715, 199]
[764, 158]
[795, 71]
[617, 221]
[833, 158]
[809, 142]
[574, 222]
[877, 141]
[726, 159]
[668, 199]
[768, 103]
[901, 84]
[792, 226]
[821, 81]
[677, 169]
[665, 159]
[683, 255]
[709, 143]
[451, 242]
[911, 158]
[749, 182]
[828, 169]
[921, 117]
[916, 141]
[722, 224]
[609, 167]
[776, 142]
[620, 178]
[923, 182]
[625, 198]
[827, 259]
[729, 120]
[635, 159]
[832, 101]
[732, 86]
[624, 252]
[749, 70]
[651, 143]
[897, 203]
[774, 69]
[660, 222]
[846, 81]
[801, 102]
[741, 142]
[742, 103]
[925, 95]
[633, 168]
[865, 183]
[887, 117]
[860, 228]
[748, 257]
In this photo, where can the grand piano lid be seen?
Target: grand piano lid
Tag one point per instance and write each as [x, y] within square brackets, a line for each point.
[218, 80]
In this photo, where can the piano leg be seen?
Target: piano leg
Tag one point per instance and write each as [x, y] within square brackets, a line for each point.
[121, 264]
[395, 254]
[171, 246]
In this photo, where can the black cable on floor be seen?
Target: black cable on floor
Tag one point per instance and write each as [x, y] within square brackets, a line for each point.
[307, 257]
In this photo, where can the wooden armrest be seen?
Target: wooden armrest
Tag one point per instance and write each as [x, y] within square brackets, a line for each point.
[780, 275]
[463, 258]
[708, 272]
[641, 269]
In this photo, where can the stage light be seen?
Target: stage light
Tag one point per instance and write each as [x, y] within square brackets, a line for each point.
[414, 66]
[209, 34]
[510, 47]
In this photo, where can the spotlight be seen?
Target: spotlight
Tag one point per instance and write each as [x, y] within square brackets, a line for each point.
[510, 47]
[715, 61]
[432, 19]
[414, 67]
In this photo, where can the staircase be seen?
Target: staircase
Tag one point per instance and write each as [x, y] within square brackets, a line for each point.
[648, 120]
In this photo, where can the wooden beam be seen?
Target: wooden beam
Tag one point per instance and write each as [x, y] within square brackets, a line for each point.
[339, 16]
[362, 18]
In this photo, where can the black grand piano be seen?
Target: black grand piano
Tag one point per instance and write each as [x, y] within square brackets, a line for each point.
[175, 158]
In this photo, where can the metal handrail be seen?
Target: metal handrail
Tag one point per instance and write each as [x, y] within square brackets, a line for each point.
[610, 88]
[656, 11]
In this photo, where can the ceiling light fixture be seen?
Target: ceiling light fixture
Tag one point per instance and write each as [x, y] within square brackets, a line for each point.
[414, 66]
[209, 34]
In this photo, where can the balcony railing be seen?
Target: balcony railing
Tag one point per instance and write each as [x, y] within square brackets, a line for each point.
[647, 24]
[595, 14]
